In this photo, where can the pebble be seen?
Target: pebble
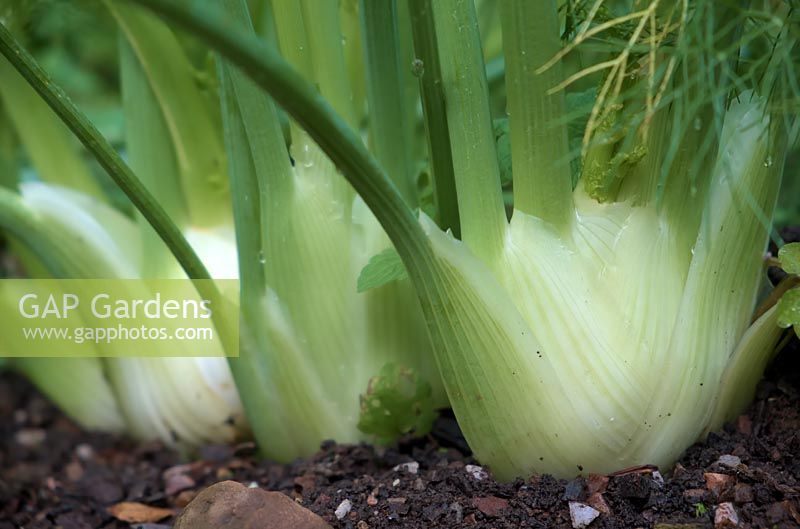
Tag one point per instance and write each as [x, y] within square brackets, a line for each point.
[477, 472]
[574, 490]
[597, 501]
[596, 483]
[719, 484]
[725, 516]
[490, 505]
[458, 510]
[30, 437]
[581, 514]
[729, 461]
[74, 471]
[231, 505]
[744, 425]
[658, 479]
[84, 452]
[343, 508]
[411, 466]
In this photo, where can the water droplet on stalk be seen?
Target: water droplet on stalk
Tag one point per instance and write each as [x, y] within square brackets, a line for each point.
[698, 123]
[768, 162]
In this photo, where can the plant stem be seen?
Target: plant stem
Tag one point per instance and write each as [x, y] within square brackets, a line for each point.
[47, 141]
[434, 108]
[327, 56]
[540, 160]
[105, 154]
[477, 175]
[268, 69]
[388, 119]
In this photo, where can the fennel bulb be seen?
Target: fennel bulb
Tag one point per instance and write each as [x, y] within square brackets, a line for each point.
[311, 343]
[603, 326]
[186, 401]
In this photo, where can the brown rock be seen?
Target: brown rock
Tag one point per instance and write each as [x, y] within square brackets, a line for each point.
[490, 505]
[598, 502]
[231, 505]
[305, 484]
[725, 516]
[596, 483]
[742, 493]
[371, 499]
[744, 425]
[74, 471]
[719, 485]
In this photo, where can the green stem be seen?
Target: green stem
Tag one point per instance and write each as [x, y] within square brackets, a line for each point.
[388, 120]
[540, 160]
[312, 112]
[104, 153]
[325, 38]
[298, 47]
[480, 200]
[46, 140]
[434, 108]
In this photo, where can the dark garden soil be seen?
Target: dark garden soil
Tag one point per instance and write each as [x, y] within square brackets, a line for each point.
[54, 475]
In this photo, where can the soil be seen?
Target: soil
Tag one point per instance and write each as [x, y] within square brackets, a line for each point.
[54, 475]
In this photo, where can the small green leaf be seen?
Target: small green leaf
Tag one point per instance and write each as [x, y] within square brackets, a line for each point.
[789, 309]
[789, 256]
[396, 402]
[382, 269]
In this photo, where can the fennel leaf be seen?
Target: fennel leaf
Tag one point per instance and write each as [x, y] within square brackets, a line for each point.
[789, 310]
[382, 269]
[789, 256]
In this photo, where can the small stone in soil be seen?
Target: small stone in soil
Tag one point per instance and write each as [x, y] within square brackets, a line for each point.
[411, 467]
[725, 516]
[596, 483]
[477, 472]
[30, 437]
[597, 501]
[719, 484]
[581, 515]
[574, 489]
[490, 505]
[729, 461]
[343, 508]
